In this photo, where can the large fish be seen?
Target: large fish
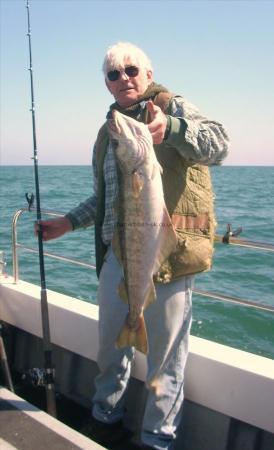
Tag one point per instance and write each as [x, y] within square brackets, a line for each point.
[144, 236]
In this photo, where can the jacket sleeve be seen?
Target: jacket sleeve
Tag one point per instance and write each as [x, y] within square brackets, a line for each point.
[197, 138]
[84, 214]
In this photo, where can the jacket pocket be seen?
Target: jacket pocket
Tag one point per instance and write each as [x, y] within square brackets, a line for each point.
[193, 254]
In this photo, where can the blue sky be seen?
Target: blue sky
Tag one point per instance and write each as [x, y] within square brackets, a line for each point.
[218, 54]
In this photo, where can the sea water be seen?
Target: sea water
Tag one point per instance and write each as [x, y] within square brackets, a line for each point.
[244, 198]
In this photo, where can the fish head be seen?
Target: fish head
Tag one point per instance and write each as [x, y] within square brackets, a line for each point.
[132, 140]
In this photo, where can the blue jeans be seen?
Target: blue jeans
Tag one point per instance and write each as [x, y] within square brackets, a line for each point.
[168, 322]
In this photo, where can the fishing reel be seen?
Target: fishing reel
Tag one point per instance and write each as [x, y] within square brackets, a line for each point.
[38, 377]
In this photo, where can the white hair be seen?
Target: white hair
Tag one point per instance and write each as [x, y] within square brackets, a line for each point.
[125, 53]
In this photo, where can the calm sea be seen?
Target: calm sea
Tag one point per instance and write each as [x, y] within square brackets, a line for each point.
[244, 197]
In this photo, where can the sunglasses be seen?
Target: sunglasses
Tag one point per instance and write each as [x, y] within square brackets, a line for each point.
[130, 71]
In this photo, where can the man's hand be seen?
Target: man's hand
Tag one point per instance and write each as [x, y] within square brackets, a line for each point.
[157, 126]
[52, 229]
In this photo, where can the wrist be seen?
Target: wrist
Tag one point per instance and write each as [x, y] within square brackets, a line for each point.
[68, 223]
[168, 126]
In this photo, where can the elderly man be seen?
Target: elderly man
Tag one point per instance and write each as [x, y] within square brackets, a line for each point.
[185, 143]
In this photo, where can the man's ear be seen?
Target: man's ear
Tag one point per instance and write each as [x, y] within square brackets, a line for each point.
[149, 76]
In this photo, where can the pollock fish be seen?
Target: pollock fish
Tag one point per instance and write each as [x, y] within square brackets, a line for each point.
[144, 236]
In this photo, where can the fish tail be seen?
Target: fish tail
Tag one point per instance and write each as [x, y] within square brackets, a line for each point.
[134, 337]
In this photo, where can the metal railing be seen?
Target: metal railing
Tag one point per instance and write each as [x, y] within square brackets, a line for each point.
[232, 241]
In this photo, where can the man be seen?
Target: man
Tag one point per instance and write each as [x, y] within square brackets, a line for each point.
[185, 143]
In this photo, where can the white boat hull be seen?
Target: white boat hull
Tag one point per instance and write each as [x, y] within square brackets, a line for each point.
[226, 383]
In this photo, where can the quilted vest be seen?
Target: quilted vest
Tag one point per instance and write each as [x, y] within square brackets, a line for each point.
[189, 199]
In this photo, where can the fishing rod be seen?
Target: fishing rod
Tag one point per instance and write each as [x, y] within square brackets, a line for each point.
[48, 377]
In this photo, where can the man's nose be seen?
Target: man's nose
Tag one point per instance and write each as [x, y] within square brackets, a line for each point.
[124, 76]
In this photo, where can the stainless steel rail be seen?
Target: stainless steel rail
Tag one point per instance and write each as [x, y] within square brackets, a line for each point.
[15, 244]
[235, 300]
[233, 241]
[256, 245]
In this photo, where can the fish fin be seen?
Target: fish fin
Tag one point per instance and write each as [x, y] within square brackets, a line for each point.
[137, 184]
[116, 246]
[141, 336]
[122, 290]
[155, 169]
[151, 295]
[169, 237]
[169, 233]
[166, 216]
[134, 337]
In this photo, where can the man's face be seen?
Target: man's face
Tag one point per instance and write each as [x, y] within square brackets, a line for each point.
[127, 89]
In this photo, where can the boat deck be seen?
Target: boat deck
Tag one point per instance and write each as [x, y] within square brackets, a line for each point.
[25, 427]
